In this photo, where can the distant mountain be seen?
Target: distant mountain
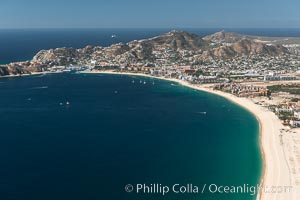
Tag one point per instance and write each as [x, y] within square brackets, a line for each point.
[245, 47]
[178, 40]
[229, 37]
[225, 37]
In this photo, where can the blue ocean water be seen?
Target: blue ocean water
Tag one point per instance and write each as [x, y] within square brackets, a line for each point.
[23, 44]
[116, 132]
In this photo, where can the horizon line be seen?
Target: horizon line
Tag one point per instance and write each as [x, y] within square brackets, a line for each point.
[24, 28]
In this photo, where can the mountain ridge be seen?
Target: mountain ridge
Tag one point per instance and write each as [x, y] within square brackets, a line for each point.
[176, 41]
[176, 46]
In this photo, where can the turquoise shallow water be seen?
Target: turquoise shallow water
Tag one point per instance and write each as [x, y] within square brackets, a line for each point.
[114, 133]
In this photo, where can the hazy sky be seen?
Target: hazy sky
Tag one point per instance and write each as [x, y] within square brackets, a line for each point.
[150, 13]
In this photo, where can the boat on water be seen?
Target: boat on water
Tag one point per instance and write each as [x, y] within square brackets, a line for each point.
[145, 82]
[114, 36]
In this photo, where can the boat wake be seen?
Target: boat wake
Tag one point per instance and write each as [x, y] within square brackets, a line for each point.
[202, 113]
[39, 88]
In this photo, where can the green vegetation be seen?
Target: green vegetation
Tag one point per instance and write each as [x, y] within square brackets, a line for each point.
[295, 99]
[292, 88]
[284, 115]
[203, 73]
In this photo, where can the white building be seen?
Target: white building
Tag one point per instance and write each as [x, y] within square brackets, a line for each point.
[297, 114]
[295, 123]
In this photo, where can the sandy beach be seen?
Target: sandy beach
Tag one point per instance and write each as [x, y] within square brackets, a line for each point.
[281, 155]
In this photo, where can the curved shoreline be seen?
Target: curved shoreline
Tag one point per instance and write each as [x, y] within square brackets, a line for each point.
[275, 171]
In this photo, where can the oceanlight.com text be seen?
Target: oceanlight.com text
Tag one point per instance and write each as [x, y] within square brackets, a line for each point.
[162, 189]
